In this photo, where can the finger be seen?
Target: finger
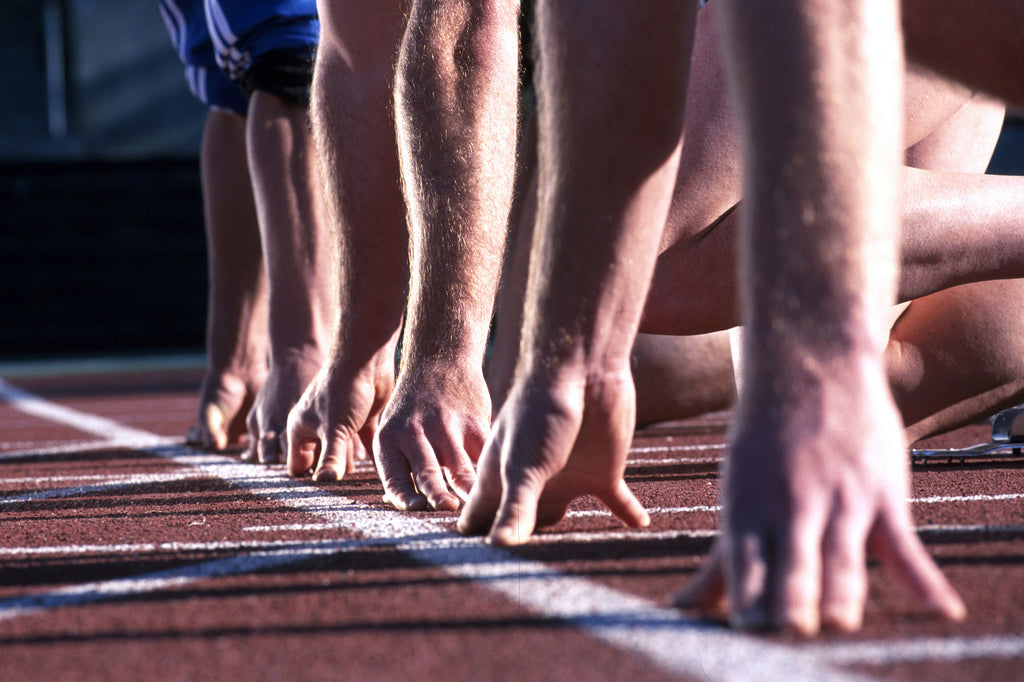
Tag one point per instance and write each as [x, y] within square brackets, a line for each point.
[212, 430]
[746, 562]
[706, 591]
[793, 596]
[456, 464]
[485, 496]
[269, 448]
[425, 464]
[461, 478]
[251, 452]
[303, 448]
[396, 476]
[902, 552]
[623, 503]
[336, 459]
[516, 517]
[844, 577]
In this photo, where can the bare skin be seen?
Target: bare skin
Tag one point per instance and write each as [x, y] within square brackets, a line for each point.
[236, 334]
[565, 428]
[455, 99]
[816, 475]
[294, 233]
[531, 448]
[336, 418]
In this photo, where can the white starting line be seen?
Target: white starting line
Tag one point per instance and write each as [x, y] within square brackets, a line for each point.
[673, 642]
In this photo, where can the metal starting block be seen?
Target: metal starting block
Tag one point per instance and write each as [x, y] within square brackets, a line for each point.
[1007, 442]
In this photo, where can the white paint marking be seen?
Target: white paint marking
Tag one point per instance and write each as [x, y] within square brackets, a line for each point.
[942, 499]
[675, 643]
[677, 448]
[23, 401]
[944, 649]
[153, 363]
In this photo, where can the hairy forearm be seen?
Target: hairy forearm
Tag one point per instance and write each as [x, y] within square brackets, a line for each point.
[819, 262]
[607, 165]
[355, 140]
[456, 97]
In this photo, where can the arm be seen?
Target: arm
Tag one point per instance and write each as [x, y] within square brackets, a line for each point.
[816, 476]
[336, 418]
[455, 103]
[606, 164]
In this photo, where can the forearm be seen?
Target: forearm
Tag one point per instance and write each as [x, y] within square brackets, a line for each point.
[456, 98]
[355, 139]
[822, 187]
[237, 312]
[293, 225]
[606, 166]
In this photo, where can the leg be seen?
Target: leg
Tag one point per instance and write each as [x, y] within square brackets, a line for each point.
[956, 357]
[336, 418]
[678, 377]
[236, 337]
[956, 228]
[295, 239]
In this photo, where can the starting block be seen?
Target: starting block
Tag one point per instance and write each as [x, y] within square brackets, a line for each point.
[1007, 442]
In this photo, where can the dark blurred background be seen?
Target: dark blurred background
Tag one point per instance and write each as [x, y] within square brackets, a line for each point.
[101, 227]
[101, 235]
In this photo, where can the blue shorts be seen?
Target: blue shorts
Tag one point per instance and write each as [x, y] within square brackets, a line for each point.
[218, 40]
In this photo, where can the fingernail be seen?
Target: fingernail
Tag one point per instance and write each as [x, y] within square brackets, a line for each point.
[326, 475]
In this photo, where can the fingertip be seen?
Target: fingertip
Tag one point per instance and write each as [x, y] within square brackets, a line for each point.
[332, 468]
[249, 454]
[446, 502]
[411, 502]
[842, 618]
[302, 455]
[504, 536]
[803, 621]
[706, 591]
[268, 449]
[623, 503]
[953, 608]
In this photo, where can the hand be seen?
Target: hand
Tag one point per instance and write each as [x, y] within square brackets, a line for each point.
[432, 432]
[224, 402]
[554, 441]
[334, 421]
[810, 489]
[268, 418]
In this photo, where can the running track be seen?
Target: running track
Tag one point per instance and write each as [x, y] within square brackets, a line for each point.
[124, 555]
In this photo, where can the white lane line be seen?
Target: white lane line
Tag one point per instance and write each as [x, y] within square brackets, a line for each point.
[105, 590]
[662, 635]
[151, 363]
[114, 483]
[139, 548]
[23, 401]
[700, 447]
[944, 649]
[942, 499]
[621, 619]
[72, 448]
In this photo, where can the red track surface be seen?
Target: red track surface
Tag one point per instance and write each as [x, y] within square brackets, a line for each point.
[127, 557]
